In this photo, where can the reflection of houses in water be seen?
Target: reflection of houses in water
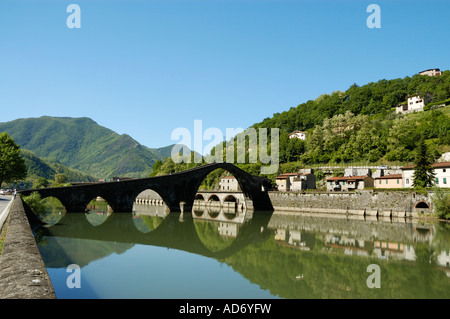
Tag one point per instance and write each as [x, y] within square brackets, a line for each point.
[295, 238]
[385, 240]
[228, 229]
[443, 259]
[351, 246]
[394, 250]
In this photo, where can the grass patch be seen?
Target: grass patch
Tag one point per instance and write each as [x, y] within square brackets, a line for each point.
[3, 234]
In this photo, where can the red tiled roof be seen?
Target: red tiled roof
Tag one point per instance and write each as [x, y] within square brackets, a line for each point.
[393, 176]
[228, 177]
[435, 165]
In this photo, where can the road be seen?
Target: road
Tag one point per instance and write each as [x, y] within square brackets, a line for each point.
[4, 201]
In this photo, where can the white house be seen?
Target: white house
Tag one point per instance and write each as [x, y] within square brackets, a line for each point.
[441, 178]
[298, 134]
[415, 103]
[229, 183]
[431, 72]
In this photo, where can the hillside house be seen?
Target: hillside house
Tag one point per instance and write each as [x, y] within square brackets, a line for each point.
[431, 72]
[298, 134]
[415, 103]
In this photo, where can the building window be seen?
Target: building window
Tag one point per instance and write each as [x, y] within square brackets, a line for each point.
[343, 183]
[386, 181]
[437, 180]
[380, 181]
[398, 181]
[443, 170]
[407, 181]
[445, 180]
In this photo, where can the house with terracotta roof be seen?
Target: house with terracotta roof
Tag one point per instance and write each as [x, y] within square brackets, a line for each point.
[389, 181]
[348, 183]
[441, 178]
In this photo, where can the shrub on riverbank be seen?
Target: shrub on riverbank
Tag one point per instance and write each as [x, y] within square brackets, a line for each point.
[34, 201]
[441, 202]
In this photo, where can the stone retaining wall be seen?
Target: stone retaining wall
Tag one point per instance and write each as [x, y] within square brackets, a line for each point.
[397, 204]
[22, 271]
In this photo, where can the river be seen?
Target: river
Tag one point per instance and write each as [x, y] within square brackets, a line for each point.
[151, 253]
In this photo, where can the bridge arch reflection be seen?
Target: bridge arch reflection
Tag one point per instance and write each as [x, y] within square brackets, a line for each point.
[174, 230]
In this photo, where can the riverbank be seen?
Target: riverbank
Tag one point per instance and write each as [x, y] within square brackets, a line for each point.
[22, 271]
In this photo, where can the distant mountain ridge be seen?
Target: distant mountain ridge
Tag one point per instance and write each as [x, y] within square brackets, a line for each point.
[84, 145]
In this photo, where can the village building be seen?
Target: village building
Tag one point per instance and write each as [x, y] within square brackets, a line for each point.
[389, 181]
[229, 183]
[298, 134]
[348, 183]
[415, 103]
[441, 178]
[295, 181]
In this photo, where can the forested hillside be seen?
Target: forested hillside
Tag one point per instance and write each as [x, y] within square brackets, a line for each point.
[360, 124]
[41, 168]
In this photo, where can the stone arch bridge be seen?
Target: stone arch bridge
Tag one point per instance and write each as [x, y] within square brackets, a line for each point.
[177, 190]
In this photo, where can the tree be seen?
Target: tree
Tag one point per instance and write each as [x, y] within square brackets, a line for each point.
[60, 178]
[12, 165]
[423, 172]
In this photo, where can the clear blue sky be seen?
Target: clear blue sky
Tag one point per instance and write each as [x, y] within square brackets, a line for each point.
[144, 68]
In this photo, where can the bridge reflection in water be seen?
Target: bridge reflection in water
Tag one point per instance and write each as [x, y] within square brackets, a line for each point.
[290, 256]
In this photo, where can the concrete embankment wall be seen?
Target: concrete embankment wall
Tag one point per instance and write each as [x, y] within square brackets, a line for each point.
[395, 204]
[22, 271]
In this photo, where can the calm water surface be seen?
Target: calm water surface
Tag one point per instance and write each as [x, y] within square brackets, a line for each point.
[150, 253]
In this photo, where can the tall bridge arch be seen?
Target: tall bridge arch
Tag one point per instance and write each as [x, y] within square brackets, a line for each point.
[177, 190]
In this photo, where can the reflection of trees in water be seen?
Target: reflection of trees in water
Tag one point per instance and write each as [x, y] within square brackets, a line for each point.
[146, 224]
[441, 238]
[318, 273]
[210, 235]
[98, 206]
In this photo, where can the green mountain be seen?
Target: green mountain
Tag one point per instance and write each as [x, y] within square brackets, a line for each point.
[83, 145]
[38, 167]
